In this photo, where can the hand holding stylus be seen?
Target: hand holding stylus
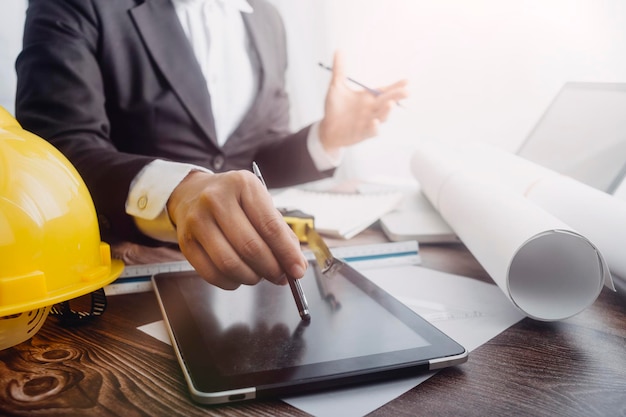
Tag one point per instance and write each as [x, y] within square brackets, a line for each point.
[353, 115]
[230, 231]
[294, 284]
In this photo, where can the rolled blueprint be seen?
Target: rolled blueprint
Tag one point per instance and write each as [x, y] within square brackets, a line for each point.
[597, 215]
[548, 269]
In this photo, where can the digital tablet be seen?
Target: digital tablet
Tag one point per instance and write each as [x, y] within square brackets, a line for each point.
[251, 343]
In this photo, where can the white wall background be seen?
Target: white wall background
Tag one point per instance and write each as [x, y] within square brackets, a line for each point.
[478, 70]
[10, 45]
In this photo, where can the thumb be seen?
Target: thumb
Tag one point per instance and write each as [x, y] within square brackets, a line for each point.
[339, 73]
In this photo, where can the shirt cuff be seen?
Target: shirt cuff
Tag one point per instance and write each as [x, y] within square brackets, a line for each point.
[148, 195]
[323, 160]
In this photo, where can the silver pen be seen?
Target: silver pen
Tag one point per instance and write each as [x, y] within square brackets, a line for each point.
[294, 284]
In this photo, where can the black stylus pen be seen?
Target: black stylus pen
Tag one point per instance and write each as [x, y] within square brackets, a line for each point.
[373, 91]
[294, 284]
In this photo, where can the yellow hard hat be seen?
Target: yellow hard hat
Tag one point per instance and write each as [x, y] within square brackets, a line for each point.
[50, 248]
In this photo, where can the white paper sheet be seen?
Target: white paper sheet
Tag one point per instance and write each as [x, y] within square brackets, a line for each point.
[469, 311]
[546, 267]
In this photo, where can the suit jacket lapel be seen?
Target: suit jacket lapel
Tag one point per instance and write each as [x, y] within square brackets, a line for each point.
[158, 24]
[259, 43]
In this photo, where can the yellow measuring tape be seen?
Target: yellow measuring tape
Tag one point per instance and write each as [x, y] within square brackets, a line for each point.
[303, 225]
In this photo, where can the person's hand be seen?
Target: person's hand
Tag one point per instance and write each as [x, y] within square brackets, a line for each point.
[229, 230]
[353, 115]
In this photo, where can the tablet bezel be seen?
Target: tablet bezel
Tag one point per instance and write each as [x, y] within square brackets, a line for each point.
[209, 386]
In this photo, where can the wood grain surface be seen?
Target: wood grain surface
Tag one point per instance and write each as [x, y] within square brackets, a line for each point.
[575, 367]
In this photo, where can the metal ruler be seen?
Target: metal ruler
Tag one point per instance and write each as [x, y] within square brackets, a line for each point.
[137, 278]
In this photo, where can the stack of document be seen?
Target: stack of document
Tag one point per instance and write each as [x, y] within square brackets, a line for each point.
[340, 215]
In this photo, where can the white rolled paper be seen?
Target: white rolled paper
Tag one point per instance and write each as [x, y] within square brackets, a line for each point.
[599, 216]
[548, 269]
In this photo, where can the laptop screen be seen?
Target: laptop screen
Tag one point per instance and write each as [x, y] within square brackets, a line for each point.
[582, 134]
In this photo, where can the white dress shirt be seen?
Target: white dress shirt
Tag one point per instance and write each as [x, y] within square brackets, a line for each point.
[220, 42]
[218, 37]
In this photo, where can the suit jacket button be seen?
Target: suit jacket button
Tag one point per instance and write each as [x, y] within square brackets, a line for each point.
[218, 162]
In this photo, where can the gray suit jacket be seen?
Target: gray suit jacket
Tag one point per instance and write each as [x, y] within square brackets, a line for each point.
[114, 84]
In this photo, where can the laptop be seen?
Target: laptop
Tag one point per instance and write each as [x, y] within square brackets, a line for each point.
[581, 134]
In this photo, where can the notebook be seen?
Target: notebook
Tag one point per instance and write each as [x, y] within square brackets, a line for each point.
[581, 134]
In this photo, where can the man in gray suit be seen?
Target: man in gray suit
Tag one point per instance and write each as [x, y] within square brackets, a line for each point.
[162, 105]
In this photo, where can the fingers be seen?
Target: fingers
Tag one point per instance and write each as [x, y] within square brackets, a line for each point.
[261, 239]
[339, 74]
[352, 115]
[217, 259]
[273, 231]
[389, 97]
[382, 110]
[204, 265]
[397, 87]
[230, 232]
[393, 93]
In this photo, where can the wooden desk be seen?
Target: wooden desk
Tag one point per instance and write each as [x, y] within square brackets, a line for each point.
[576, 367]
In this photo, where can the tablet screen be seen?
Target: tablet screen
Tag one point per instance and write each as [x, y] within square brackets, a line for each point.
[254, 335]
[258, 328]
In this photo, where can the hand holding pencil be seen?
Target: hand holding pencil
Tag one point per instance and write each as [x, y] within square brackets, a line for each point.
[353, 115]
